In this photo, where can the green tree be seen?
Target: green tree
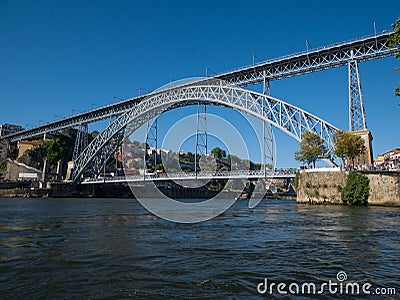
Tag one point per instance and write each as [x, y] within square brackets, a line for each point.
[218, 152]
[348, 145]
[311, 148]
[3, 166]
[296, 180]
[356, 191]
[394, 42]
[60, 148]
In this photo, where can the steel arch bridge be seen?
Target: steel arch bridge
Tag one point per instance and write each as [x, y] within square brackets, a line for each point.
[224, 89]
[323, 58]
[288, 118]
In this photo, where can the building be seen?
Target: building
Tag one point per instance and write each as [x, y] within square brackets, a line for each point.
[390, 160]
[3, 150]
[26, 145]
[6, 129]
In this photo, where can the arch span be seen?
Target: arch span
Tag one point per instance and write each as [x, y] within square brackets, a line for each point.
[288, 118]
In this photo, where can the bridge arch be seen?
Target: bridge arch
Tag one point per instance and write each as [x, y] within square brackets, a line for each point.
[288, 118]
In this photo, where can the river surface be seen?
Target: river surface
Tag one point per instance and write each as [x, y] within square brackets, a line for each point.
[114, 248]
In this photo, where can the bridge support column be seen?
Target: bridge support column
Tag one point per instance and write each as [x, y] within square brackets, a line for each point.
[151, 142]
[201, 135]
[268, 135]
[357, 119]
[81, 140]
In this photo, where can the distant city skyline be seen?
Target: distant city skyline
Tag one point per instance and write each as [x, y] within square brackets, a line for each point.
[59, 58]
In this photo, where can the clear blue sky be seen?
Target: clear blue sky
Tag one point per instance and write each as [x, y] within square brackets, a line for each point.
[56, 56]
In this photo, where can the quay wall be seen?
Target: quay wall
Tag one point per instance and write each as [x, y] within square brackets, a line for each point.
[324, 186]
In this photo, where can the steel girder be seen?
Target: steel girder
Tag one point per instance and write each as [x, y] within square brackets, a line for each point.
[288, 118]
[94, 115]
[323, 58]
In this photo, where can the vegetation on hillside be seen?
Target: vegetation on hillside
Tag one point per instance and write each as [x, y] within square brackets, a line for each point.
[60, 148]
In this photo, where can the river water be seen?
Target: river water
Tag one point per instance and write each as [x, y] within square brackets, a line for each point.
[113, 248]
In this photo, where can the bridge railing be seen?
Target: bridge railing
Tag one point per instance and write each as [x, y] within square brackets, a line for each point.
[194, 175]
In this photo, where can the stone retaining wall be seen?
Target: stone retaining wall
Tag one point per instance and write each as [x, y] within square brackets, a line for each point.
[325, 187]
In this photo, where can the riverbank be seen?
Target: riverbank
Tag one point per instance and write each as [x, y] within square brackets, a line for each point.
[324, 186]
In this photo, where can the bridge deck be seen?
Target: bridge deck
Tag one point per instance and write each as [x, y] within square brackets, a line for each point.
[191, 176]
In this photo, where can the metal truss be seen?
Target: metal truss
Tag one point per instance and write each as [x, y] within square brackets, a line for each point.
[81, 140]
[239, 174]
[357, 118]
[323, 58]
[268, 136]
[201, 134]
[288, 118]
[151, 142]
[100, 161]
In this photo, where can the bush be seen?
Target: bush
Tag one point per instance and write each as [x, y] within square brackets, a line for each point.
[296, 180]
[3, 166]
[356, 190]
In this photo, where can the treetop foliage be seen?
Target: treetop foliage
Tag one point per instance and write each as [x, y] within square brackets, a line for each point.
[311, 148]
[348, 145]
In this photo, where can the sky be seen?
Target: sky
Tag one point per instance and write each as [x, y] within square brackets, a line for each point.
[61, 57]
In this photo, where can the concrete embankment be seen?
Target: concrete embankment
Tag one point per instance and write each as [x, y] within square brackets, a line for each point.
[324, 186]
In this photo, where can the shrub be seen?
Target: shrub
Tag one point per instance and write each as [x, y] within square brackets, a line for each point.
[356, 190]
[308, 185]
[296, 180]
[3, 166]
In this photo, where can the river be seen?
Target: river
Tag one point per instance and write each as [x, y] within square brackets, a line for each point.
[114, 248]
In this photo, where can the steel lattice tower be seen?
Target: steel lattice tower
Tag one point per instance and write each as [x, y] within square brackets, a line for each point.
[201, 134]
[151, 141]
[81, 140]
[268, 135]
[357, 119]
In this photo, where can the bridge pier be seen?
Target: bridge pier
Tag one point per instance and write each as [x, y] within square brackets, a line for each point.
[367, 157]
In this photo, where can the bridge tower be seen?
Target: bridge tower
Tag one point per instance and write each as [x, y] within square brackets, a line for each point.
[357, 119]
[201, 134]
[151, 142]
[81, 140]
[268, 135]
